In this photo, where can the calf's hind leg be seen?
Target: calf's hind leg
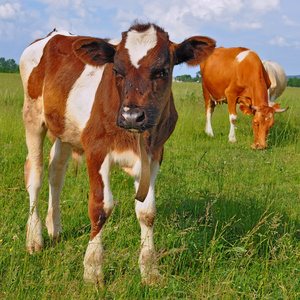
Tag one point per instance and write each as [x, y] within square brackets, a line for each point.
[33, 169]
[59, 156]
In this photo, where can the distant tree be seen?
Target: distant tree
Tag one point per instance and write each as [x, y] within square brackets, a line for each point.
[198, 77]
[294, 82]
[189, 78]
[8, 66]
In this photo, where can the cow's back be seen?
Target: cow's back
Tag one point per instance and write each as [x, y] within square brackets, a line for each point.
[234, 70]
[53, 74]
[219, 70]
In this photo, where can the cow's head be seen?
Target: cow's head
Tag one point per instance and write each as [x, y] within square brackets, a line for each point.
[143, 62]
[263, 120]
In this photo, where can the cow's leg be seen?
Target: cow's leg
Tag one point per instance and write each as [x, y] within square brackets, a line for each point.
[35, 134]
[145, 212]
[232, 119]
[209, 109]
[100, 208]
[59, 156]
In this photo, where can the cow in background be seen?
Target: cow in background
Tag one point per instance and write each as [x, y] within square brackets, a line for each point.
[113, 101]
[236, 75]
[278, 79]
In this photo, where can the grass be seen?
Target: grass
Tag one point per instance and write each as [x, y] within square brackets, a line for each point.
[227, 223]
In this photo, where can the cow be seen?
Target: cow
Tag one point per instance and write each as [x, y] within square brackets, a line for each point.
[112, 101]
[236, 75]
[278, 79]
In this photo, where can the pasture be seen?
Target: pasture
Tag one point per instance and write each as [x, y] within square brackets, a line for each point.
[228, 216]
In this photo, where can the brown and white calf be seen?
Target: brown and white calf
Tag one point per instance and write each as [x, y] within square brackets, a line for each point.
[236, 75]
[98, 97]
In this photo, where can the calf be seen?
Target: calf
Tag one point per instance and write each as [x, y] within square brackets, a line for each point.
[112, 101]
[236, 75]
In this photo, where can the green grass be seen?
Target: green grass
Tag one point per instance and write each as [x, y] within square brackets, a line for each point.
[228, 217]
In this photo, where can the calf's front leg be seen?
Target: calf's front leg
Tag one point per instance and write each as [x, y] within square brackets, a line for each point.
[146, 212]
[100, 208]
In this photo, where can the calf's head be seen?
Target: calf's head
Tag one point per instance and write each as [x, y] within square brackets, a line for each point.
[263, 120]
[143, 63]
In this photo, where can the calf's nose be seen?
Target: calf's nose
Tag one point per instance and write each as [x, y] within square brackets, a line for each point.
[132, 119]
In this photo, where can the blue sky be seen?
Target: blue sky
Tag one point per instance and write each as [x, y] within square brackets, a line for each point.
[270, 27]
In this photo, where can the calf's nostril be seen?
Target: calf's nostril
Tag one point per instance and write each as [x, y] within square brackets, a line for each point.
[140, 117]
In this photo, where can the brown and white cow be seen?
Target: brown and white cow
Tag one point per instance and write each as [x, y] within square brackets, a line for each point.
[236, 75]
[277, 78]
[98, 97]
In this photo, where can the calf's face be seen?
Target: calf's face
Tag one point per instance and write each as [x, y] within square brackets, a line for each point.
[142, 70]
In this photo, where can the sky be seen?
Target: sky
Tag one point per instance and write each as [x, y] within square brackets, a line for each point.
[270, 27]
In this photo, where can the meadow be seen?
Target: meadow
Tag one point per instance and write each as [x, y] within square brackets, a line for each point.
[228, 216]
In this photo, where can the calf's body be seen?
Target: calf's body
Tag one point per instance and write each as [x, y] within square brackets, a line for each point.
[99, 97]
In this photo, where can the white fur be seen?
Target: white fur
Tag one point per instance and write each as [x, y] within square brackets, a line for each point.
[33, 54]
[139, 43]
[231, 136]
[208, 128]
[82, 96]
[108, 197]
[147, 208]
[59, 156]
[242, 55]
[93, 260]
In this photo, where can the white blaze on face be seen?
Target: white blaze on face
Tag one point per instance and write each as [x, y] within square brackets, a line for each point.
[139, 43]
[242, 55]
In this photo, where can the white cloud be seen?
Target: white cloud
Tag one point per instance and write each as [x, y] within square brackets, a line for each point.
[264, 5]
[287, 21]
[279, 41]
[9, 11]
[246, 25]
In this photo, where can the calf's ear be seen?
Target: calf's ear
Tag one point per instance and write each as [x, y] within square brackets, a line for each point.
[94, 51]
[194, 50]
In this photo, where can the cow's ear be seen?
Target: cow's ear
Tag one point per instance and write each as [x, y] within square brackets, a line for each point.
[246, 109]
[275, 105]
[194, 50]
[94, 51]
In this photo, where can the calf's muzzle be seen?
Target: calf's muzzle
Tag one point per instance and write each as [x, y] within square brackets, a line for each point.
[133, 119]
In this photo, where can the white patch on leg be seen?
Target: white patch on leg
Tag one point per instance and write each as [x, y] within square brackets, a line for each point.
[231, 136]
[139, 43]
[59, 156]
[34, 238]
[145, 211]
[93, 260]
[208, 128]
[108, 196]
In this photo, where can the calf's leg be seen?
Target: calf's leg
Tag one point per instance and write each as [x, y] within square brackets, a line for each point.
[59, 156]
[146, 212]
[35, 133]
[100, 208]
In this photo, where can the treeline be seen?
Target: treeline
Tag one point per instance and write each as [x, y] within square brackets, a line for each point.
[293, 81]
[189, 78]
[8, 66]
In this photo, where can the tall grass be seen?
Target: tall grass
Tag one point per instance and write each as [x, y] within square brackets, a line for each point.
[227, 223]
